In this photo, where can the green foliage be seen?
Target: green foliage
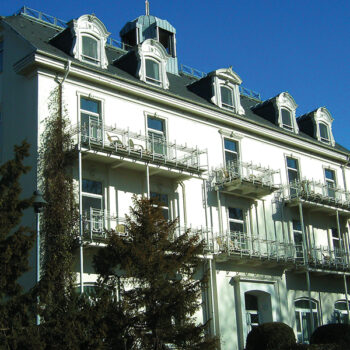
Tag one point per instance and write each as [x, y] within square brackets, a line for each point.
[270, 336]
[159, 281]
[331, 334]
[15, 241]
[59, 223]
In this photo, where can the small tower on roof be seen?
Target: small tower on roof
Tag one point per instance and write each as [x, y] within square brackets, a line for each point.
[150, 27]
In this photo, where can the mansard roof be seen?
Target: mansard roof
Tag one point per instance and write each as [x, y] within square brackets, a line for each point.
[40, 36]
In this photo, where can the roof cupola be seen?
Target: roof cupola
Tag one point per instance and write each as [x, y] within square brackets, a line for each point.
[151, 27]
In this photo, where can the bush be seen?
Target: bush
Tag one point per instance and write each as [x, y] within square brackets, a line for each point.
[332, 334]
[270, 336]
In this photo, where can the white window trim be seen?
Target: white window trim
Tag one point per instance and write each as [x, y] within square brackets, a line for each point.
[90, 26]
[226, 77]
[323, 116]
[152, 80]
[89, 59]
[245, 220]
[286, 166]
[230, 138]
[153, 50]
[286, 101]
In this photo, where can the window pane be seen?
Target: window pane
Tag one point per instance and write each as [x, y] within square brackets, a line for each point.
[324, 131]
[91, 202]
[226, 96]
[251, 302]
[152, 69]
[230, 145]
[340, 305]
[91, 186]
[304, 304]
[286, 118]
[230, 158]
[329, 174]
[292, 163]
[90, 105]
[293, 176]
[90, 47]
[236, 226]
[156, 124]
[235, 213]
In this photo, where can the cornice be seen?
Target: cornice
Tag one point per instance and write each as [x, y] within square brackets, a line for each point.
[58, 64]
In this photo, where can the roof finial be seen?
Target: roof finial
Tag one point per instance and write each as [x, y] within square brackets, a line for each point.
[147, 8]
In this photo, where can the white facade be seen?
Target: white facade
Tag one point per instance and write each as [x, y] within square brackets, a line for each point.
[272, 204]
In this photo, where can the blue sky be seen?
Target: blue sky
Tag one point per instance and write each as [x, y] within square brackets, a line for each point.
[299, 46]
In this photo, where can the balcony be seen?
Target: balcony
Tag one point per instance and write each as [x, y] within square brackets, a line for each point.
[133, 150]
[245, 179]
[317, 195]
[238, 245]
[325, 258]
[96, 222]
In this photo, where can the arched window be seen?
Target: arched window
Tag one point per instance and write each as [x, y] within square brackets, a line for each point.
[324, 132]
[90, 50]
[152, 72]
[287, 119]
[226, 97]
[304, 318]
[341, 311]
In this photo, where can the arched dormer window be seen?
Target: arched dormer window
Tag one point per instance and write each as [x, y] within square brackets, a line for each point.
[286, 108]
[323, 122]
[152, 71]
[152, 63]
[226, 97]
[90, 49]
[90, 36]
[226, 90]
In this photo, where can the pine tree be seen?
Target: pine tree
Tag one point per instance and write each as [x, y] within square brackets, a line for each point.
[16, 242]
[157, 274]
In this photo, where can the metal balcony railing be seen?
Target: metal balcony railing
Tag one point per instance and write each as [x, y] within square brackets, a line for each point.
[247, 172]
[317, 192]
[153, 149]
[97, 222]
[242, 244]
[325, 257]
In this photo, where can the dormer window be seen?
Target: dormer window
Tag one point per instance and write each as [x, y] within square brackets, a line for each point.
[225, 88]
[152, 72]
[324, 133]
[286, 119]
[90, 50]
[152, 63]
[90, 37]
[226, 97]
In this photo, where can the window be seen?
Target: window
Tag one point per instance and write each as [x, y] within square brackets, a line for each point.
[152, 72]
[293, 175]
[252, 311]
[303, 318]
[167, 40]
[330, 183]
[1, 56]
[156, 134]
[237, 229]
[226, 97]
[298, 239]
[163, 203]
[90, 49]
[91, 121]
[92, 203]
[324, 133]
[341, 312]
[231, 155]
[287, 119]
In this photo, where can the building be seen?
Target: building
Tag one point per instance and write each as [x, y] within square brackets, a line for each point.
[267, 190]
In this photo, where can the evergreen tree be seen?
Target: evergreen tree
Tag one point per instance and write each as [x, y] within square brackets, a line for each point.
[16, 242]
[157, 275]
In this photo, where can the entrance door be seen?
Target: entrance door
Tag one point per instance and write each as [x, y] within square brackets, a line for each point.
[303, 319]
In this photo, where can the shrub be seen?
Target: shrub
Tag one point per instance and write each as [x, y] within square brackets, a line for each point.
[270, 336]
[332, 334]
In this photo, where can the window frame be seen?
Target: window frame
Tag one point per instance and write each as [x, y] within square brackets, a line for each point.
[331, 184]
[99, 139]
[149, 79]
[339, 313]
[224, 105]
[237, 153]
[157, 195]
[290, 127]
[322, 139]
[306, 311]
[88, 59]
[162, 134]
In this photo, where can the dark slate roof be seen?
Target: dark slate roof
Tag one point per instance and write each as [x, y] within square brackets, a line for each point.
[43, 36]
